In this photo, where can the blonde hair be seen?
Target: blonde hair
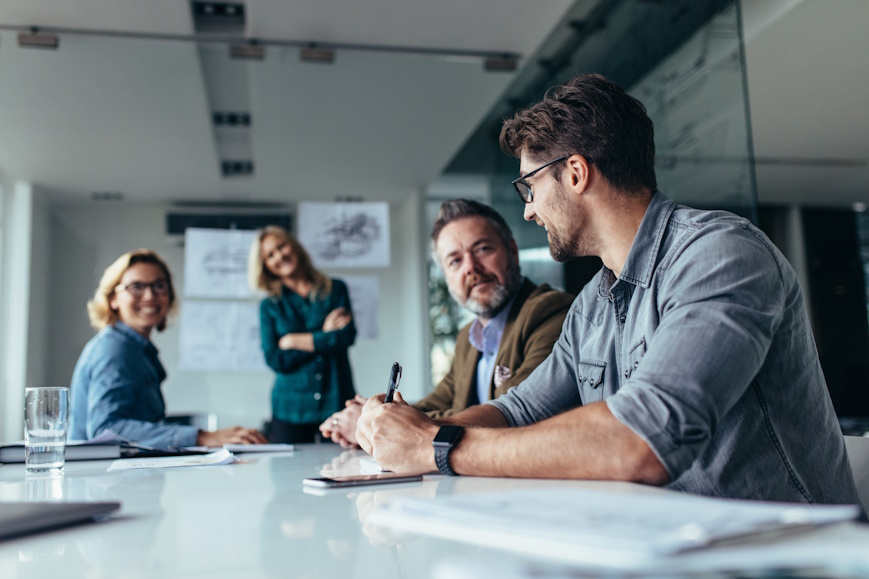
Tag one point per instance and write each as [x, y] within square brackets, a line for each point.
[260, 278]
[100, 311]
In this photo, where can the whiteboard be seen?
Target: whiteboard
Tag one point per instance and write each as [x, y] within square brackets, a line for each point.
[345, 234]
[215, 263]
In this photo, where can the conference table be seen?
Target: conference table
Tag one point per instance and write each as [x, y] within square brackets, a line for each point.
[254, 518]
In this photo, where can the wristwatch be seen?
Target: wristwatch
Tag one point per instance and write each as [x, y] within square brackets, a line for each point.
[447, 438]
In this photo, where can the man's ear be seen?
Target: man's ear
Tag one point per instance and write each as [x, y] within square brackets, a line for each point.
[578, 172]
[113, 302]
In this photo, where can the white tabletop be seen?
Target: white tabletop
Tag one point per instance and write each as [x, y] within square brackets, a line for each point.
[251, 519]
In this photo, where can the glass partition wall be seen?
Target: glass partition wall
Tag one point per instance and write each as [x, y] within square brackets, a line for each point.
[685, 62]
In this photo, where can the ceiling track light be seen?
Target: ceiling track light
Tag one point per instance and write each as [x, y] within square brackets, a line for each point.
[314, 53]
[250, 51]
[35, 39]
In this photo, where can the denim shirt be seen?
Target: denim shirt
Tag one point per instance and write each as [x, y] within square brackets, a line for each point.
[116, 388]
[703, 348]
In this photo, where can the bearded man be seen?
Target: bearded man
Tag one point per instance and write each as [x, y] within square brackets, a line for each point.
[516, 326]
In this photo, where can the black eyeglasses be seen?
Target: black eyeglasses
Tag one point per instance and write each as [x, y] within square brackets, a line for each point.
[522, 186]
[137, 289]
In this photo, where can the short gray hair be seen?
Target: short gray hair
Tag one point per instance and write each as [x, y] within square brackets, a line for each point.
[454, 209]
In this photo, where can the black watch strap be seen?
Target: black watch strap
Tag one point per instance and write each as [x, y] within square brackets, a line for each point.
[442, 459]
[447, 438]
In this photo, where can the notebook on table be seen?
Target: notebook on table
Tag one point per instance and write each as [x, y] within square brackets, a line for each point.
[25, 518]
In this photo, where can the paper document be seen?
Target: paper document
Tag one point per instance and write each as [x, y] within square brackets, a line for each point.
[222, 456]
[597, 527]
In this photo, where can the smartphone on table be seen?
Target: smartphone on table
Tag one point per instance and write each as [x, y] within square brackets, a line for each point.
[360, 480]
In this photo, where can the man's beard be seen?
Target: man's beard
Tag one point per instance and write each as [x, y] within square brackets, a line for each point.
[501, 294]
[561, 249]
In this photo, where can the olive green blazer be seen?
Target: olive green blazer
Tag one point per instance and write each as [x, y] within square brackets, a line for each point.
[532, 328]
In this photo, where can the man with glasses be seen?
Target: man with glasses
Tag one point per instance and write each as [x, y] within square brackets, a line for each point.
[688, 361]
[516, 325]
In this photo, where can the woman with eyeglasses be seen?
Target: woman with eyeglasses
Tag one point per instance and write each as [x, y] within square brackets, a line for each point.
[307, 327]
[116, 382]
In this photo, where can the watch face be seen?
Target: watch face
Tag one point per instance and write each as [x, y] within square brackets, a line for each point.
[448, 435]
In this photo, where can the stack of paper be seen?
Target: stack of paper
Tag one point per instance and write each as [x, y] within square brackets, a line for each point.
[222, 456]
[600, 528]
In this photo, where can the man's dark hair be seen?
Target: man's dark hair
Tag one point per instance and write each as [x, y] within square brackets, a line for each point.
[459, 209]
[594, 117]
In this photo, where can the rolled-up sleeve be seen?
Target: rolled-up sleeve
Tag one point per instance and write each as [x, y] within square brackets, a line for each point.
[720, 304]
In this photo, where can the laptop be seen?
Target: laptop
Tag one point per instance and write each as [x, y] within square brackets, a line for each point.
[25, 518]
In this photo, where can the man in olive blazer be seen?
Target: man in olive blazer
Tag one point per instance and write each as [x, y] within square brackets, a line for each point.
[533, 326]
[516, 326]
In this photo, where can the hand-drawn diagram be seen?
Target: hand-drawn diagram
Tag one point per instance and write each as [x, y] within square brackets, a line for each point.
[220, 336]
[364, 299]
[215, 263]
[345, 234]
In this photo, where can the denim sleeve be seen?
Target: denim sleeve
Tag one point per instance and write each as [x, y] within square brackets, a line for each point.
[332, 342]
[112, 407]
[551, 387]
[281, 361]
[720, 301]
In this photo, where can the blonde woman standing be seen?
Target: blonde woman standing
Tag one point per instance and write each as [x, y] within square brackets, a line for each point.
[116, 382]
[307, 327]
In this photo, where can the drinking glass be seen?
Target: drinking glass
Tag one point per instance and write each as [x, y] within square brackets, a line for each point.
[46, 413]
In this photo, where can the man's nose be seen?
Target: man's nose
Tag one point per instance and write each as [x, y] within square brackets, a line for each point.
[470, 264]
[529, 214]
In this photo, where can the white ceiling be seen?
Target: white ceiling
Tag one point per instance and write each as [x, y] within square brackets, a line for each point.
[110, 114]
[114, 114]
[808, 77]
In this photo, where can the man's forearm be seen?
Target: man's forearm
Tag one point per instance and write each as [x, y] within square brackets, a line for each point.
[584, 443]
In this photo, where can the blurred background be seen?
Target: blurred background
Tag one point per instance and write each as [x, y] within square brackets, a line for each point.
[124, 122]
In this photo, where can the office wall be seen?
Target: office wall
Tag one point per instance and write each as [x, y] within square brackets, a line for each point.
[15, 304]
[85, 238]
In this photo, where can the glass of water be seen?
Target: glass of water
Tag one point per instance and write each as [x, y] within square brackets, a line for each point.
[46, 414]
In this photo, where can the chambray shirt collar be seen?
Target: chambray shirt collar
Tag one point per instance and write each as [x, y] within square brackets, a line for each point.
[132, 334]
[486, 339]
[640, 264]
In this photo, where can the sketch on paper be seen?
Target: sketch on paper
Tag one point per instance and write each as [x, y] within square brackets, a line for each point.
[364, 299]
[345, 234]
[220, 336]
[215, 263]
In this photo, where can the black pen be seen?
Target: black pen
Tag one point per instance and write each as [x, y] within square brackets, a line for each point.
[394, 378]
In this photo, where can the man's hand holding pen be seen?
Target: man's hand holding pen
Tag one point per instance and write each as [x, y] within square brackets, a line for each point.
[397, 435]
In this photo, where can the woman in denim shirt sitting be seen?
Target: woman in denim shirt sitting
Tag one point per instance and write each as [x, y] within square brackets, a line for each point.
[116, 382]
[307, 326]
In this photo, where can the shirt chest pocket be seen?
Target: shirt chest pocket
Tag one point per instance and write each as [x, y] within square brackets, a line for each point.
[590, 377]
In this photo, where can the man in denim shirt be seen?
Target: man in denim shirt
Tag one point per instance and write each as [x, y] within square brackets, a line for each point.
[688, 361]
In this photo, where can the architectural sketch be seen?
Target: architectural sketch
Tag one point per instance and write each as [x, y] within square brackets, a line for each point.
[345, 234]
[215, 263]
[220, 336]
